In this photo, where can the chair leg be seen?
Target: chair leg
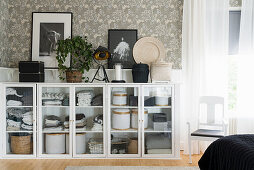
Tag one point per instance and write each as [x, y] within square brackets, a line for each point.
[198, 148]
[189, 142]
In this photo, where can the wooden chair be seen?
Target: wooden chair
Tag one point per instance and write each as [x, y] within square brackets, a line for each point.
[208, 130]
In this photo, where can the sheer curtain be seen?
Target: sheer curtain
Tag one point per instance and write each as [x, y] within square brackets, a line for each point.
[204, 55]
[245, 79]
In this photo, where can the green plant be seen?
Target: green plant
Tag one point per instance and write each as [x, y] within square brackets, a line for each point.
[81, 55]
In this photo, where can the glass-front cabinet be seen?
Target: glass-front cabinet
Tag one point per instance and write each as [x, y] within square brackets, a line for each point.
[82, 120]
[89, 121]
[124, 121]
[55, 120]
[157, 120]
[19, 120]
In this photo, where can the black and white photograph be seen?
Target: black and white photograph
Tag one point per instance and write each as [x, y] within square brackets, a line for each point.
[48, 28]
[120, 45]
[50, 33]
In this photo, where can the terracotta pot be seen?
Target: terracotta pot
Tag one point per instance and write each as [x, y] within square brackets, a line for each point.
[73, 77]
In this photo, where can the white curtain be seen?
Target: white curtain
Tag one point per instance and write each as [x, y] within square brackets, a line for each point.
[245, 79]
[204, 55]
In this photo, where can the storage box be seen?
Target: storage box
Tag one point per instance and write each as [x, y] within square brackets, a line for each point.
[160, 126]
[159, 117]
[149, 101]
[31, 67]
[161, 71]
[31, 77]
[133, 100]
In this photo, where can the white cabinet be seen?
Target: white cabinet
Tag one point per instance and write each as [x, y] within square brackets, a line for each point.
[128, 120]
[18, 117]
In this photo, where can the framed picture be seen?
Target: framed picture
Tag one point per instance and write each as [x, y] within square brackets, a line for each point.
[120, 45]
[47, 29]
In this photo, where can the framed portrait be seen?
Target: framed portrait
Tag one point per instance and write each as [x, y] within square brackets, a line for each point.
[120, 45]
[47, 29]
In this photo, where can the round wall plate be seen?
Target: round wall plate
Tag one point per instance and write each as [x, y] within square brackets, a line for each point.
[148, 49]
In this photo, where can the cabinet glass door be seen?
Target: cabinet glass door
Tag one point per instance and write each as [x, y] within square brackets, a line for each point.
[19, 121]
[89, 121]
[54, 120]
[157, 120]
[124, 121]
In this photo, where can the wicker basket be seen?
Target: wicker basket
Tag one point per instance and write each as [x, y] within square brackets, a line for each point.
[74, 77]
[95, 146]
[21, 144]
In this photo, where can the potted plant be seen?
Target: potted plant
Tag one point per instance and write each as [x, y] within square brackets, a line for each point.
[81, 58]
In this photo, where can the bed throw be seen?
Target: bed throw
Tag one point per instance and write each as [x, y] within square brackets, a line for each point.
[234, 152]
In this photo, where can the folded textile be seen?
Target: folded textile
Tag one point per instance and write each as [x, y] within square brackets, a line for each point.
[13, 123]
[52, 102]
[13, 97]
[11, 128]
[28, 120]
[66, 101]
[78, 116]
[12, 91]
[14, 103]
[26, 127]
[97, 100]
[15, 112]
[14, 118]
[58, 128]
[97, 127]
[53, 96]
[52, 121]
[85, 98]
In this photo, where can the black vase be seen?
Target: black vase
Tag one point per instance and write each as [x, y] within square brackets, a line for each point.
[140, 73]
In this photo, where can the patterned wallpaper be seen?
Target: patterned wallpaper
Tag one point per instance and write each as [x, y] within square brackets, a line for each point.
[93, 18]
[3, 33]
[235, 3]
[158, 18]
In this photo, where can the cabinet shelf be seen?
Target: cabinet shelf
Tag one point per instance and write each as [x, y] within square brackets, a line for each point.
[157, 107]
[89, 106]
[151, 130]
[21, 131]
[127, 107]
[124, 131]
[48, 131]
[19, 106]
[55, 106]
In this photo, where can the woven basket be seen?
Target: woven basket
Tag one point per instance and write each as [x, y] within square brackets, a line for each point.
[73, 77]
[21, 144]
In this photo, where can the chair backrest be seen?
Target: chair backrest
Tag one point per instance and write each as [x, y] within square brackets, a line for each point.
[211, 103]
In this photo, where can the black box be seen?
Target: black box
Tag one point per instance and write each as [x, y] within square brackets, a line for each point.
[31, 77]
[133, 100]
[159, 117]
[149, 101]
[31, 67]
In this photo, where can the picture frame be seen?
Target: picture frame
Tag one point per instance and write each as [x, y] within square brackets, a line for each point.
[120, 45]
[47, 29]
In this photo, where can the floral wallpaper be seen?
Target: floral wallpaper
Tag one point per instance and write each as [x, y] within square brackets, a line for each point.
[235, 3]
[158, 18]
[3, 33]
[93, 18]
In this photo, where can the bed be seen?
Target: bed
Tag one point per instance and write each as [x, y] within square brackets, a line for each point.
[234, 152]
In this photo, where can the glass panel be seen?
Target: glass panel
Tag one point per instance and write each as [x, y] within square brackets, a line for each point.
[55, 120]
[89, 120]
[124, 120]
[19, 120]
[158, 120]
[158, 143]
[19, 143]
[19, 96]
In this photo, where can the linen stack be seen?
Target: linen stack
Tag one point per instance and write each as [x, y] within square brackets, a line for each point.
[19, 119]
[52, 99]
[13, 98]
[85, 98]
[53, 123]
[80, 122]
[97, 123]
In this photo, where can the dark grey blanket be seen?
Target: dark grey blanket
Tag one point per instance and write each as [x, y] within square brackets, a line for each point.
[229, 153]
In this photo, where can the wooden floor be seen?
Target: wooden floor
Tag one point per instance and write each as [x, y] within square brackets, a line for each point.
[61, 164]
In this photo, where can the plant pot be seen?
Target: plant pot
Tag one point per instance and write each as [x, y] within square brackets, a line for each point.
[73, 77]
